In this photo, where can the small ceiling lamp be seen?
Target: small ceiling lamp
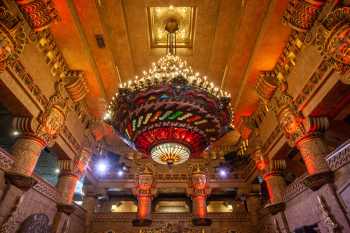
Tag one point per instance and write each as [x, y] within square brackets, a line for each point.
[171, 113]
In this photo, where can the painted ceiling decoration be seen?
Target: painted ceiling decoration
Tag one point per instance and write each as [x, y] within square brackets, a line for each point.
[171, 113]
[158, 16]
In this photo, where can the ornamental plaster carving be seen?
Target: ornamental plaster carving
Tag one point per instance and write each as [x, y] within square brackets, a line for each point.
[12, 38]
[326, 217]
[293, 124]
[6, 161]
[333, 39]
[39, 13]
[35, 223]
[29, 84]
[300, 15]
[49, 123]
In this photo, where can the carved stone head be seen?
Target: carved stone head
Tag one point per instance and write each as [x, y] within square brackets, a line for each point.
[339, 45]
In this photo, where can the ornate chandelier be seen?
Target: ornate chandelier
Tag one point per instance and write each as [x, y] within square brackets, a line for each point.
[170, 113]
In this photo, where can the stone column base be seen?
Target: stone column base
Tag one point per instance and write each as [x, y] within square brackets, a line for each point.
[275, 207]
[316, 181]
[65, 208]
[141, 222]
[201, 221]
[21, 181]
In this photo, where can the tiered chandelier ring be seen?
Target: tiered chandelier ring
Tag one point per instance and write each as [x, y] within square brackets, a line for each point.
[171, 113]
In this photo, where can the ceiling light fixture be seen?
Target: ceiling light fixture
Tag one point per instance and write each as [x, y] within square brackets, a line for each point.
[171, 113]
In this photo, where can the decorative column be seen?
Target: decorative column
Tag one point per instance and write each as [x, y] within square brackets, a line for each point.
[271, 170]
[145, 191]
[276, 185]
[36, 134]
[89, 204]
[70, 173]
[304, 133]
[253, 203]
[199, 191]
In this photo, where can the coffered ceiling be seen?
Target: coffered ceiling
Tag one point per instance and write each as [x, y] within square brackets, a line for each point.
[230, 41]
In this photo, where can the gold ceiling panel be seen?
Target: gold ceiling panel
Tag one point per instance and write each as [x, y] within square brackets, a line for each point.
[157, 17]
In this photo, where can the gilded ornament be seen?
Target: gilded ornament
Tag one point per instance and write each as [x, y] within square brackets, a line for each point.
[12, 37]
[333, 39]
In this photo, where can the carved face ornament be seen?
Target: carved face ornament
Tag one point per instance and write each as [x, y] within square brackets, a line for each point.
[199, 181]
[145, 181]
[339, 45]
[54, 121]
[290, 122]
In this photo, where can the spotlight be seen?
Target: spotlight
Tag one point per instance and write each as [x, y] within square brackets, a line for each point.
[120, 173]
[223, 172]
[102, 167]
[16, 133]
[57, 170]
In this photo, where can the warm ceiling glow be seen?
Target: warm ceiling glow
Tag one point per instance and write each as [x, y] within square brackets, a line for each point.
[157, 19]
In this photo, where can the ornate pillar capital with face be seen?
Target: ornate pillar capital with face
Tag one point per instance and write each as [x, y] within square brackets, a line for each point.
[304, 133]
[199, 190]
[145, 190]
[272, 174]
[36, 134]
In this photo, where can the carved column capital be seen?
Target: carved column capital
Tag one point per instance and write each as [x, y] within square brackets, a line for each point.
[266, 85]
[12, 37]
[76, 85]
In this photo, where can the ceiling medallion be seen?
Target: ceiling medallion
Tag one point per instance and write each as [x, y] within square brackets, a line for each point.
[170, 113]
[157, 17]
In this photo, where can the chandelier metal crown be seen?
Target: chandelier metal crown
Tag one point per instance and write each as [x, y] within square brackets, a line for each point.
[170, 113]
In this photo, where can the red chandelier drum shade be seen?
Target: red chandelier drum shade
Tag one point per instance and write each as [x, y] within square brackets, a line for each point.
[170, 113]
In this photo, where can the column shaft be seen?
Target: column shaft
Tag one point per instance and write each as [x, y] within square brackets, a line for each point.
[66, 186]
[199, 206]
[144, 207]
[275, 185]
[26, 152]
[313, 151]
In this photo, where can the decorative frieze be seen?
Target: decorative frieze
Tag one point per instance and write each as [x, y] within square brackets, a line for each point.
[29, 84]
[39, 13]
[217, 217]
[46, 189]
[53, 55]
[316, 78]
[12, 38]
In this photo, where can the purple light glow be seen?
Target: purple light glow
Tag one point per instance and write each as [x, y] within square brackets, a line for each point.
[102, 167]
[223, 173]
[120, 173]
